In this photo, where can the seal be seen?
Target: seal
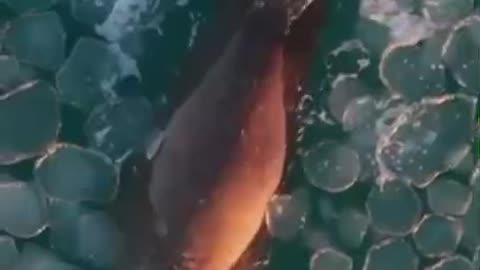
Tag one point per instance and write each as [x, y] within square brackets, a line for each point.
[224, 151]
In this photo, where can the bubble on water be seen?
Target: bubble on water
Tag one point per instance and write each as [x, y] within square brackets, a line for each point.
[452, 263]
[426, 139]
[392, 254]
[8, 252]
[448, 197]
[95, 178]
[437, 236]
[331, 166]
[394, 209]
[286, 214]
[22, 208]
[330, 259]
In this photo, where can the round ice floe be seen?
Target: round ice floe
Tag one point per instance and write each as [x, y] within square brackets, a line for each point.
[85, 235]
[8, 252]
[38, 40]
[85, 83]
[359, 113]
[428, 138]
[452, 263]
[461, 53]
[437, 236]
[446, 12]
[392, 254]
[315, 238]
[449, 197]
[394, 208]
[414, 70]
[471, 223]
[38, 258]
[75, 174]
[330, 259]
[373, 34]
[344, 90]
[14, 74]
[286, 214]
[331, 166]
[22, 209]
[352, 226]
[29, 120]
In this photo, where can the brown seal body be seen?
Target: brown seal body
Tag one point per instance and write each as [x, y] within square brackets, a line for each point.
[223, 156]
[224, 152]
